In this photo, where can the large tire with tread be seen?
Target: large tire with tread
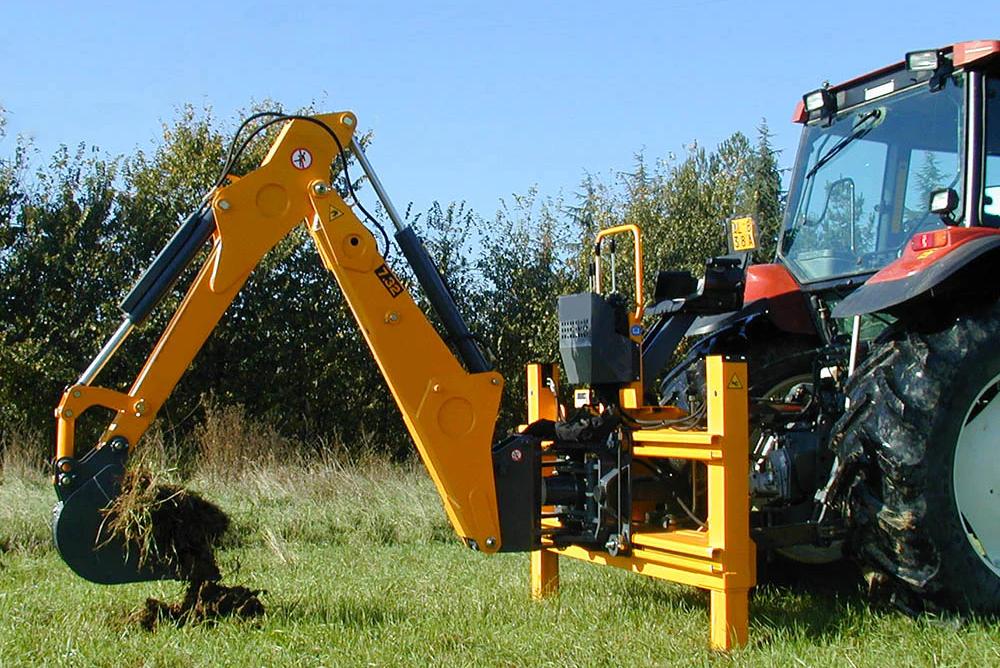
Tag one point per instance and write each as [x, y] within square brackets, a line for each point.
[911, 438]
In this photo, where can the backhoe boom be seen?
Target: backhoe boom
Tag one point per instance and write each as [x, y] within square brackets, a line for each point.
[450, 411]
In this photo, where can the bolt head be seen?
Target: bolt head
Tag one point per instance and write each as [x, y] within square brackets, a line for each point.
[491, 541]
[224, 204]
[321, 188]
[67, 413]
[65, 480]
[76, 394]
[348, 121]
[495, 381]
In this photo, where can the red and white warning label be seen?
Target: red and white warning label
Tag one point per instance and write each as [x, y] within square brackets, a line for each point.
[302, 158]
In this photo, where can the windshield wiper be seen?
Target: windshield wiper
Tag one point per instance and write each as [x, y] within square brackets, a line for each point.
[858, 133]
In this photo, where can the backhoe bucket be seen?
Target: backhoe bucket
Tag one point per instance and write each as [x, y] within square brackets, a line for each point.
[79, 527]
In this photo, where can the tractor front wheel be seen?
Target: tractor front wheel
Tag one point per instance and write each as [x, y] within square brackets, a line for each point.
[920, 443]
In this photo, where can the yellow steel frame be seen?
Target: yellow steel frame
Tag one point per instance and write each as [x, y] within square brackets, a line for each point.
[721, 558]
[449, 412]
[543, 405]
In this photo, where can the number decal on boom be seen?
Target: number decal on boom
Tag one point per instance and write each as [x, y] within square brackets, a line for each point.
[389, 281]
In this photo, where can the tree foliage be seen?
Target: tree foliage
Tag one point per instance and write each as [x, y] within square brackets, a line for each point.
[77, 232]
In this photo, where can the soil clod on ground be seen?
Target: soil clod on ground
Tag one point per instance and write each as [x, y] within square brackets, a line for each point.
[203, 602]
[177, 530]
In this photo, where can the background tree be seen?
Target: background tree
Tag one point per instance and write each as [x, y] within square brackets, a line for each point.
[79, 232]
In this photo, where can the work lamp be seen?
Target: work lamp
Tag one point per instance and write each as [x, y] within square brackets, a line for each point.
[943, 202]
[917, 61]
[821, 100]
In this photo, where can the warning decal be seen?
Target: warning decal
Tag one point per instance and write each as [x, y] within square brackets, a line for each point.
[735, 383]
[334, 212]
[302, 158]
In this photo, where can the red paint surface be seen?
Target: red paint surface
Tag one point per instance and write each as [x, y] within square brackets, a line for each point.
[800, 115]
[970, 52]
[915, 261]
[787, 307]
[768, 280]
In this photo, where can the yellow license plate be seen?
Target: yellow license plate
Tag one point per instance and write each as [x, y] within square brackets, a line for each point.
[743, 234]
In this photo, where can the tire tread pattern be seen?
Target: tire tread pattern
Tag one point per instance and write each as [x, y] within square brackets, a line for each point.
[895, 493]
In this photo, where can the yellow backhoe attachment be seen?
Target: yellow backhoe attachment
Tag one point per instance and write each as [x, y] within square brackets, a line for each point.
[450, 410]
[588, 485]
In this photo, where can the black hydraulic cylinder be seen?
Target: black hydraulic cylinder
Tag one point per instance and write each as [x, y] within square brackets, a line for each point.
[442, 300]
[563, 490]
[168, 265]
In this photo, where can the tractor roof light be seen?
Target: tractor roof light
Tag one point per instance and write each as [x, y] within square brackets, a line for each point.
[933, 61]
[917, 61]
[822, 101]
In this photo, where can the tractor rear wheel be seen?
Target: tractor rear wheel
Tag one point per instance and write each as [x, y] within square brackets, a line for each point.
[920, 442]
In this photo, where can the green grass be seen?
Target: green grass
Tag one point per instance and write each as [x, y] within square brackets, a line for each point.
[360, 569]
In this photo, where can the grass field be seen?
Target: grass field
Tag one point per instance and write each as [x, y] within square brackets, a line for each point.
[361, 568]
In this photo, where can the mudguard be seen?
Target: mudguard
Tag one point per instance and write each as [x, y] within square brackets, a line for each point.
[929, 260]
[771, 295]
[774, 304]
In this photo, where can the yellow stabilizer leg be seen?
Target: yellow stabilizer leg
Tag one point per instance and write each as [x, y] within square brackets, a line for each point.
[542, 404]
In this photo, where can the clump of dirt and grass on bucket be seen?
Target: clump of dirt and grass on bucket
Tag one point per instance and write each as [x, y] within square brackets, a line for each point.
[177, 530]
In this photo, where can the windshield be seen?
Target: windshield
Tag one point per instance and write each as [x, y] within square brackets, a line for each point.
[861, 186]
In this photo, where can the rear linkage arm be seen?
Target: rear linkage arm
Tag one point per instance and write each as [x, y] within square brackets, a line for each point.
[449, 410]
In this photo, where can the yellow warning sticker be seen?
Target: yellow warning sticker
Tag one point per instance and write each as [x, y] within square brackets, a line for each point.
[735, 383]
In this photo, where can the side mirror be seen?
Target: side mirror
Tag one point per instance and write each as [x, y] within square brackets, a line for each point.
[943, 202]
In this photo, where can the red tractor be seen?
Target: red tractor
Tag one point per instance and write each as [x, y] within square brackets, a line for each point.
[873, 340]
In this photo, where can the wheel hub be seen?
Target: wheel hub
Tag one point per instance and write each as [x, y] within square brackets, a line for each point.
[977, 474]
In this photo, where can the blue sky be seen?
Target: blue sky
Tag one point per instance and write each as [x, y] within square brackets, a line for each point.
[468, 101]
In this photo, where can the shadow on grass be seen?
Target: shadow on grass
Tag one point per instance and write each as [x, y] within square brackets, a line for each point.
[818, 602]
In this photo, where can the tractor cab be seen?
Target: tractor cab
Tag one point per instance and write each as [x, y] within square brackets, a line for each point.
[890, 155]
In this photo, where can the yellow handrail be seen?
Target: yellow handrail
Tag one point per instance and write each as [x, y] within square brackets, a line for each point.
[637, 236]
